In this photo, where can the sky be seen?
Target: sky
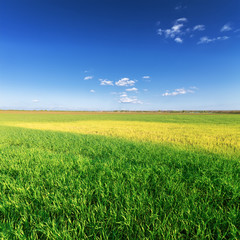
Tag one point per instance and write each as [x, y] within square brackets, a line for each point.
[120, 54]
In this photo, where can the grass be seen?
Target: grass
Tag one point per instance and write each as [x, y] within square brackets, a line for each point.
[90, 185]
[23, 116]
[224, 139]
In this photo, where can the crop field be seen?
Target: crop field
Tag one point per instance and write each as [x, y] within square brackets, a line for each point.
[119, 176]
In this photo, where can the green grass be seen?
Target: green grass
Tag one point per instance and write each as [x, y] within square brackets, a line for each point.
[226, 119]
[69, 186]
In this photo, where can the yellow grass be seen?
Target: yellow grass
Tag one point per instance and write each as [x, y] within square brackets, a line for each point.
[224, 139]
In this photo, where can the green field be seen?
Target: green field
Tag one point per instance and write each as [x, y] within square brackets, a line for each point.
[119, 176]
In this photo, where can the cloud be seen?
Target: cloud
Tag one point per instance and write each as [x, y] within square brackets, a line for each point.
[146, 78]
[35, 100]
[179, 30]
[105, 82]
[193, 87]
[206, 40]
[226, 27]
[176, 31]
[92, 91]
[132, 89]
[125, 82]
[127, 99]
[124, 98]
[209, 40]
[88, 78]
[123, 94]
[180, 7]
[222, 38]
[199, 28]
[178, 40]
[179, 91]
[183, 19]
[172, 32]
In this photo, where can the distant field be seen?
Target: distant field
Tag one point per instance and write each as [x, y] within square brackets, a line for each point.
[119, 176]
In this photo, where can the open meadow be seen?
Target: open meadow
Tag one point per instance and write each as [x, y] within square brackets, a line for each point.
[119, 176]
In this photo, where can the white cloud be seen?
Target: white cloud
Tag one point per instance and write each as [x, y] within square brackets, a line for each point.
[125, 82]
[223, 38]
[180, 30]
[183, 19]
[226, 27]
[88, 78]
[92, 91]
[132, 89]
[199, 28]
[145, 90]
[105, 82]
[172, 32]
[209, 40]
[206, 40]
[146, 78]
[124, 98]
[127, 99]
[123, 94]
[179, 91]
[176, 28]
[178, 40]
[176, 31]
[193, 87]
[180, 7]
[35, 100]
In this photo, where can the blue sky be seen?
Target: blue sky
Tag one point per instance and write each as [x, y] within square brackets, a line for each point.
[120, 55]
